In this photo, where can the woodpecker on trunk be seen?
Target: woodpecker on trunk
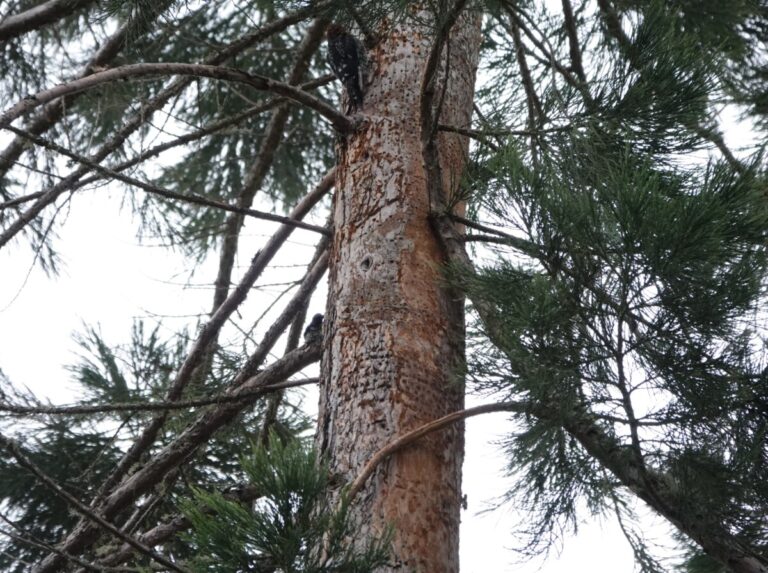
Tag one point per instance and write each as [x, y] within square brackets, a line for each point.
[346, 57]
[314, 330]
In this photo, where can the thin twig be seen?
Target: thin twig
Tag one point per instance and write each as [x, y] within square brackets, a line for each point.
[152, 406]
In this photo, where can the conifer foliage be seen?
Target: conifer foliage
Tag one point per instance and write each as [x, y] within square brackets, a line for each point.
[609, 238]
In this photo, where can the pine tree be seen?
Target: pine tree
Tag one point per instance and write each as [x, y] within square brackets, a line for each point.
[581, 207]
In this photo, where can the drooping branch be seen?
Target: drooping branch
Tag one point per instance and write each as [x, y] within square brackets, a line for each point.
[163, 192]
[156, 150]
[52, 112]
[38, 16]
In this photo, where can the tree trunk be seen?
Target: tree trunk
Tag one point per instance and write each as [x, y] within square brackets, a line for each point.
[394, 335]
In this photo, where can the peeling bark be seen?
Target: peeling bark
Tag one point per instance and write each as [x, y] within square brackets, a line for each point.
[394, 334]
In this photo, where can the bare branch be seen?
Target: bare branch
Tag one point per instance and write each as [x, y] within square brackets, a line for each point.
[263, 162]
[171, 528]
[38, 16]
[573, 41]
[151, 406]
[420, 432]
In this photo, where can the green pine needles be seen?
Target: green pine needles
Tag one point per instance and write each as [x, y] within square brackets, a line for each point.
[290, 525]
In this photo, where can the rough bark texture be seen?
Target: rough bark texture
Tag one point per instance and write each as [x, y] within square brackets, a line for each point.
[394, 335]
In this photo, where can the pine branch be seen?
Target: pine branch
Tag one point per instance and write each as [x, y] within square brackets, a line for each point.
[294, 312]
[294, 308]
[150, 70]
[340, 121]
[613, 25]
[650, 486]
[147, 109]
[15, 450]
[161, 191]
[429, 81]
[52, 112]
[150, 406]
[535, 110]
[179, 450]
